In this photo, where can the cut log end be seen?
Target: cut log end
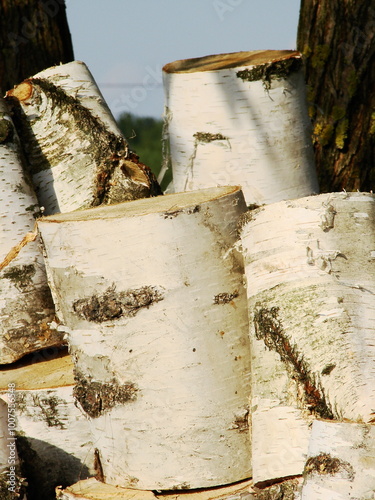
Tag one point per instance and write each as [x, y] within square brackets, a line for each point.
[21, 92]
[231, 60]
[170, 205]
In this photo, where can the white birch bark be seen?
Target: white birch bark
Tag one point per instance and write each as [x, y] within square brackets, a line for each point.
[309, 266]
[53, 435]
[77, 155]
[91, 489]
[240, 119]
[26, 307]
[341, 462]
[152, 292]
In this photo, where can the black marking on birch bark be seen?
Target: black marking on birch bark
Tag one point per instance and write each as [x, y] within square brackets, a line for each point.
[6, 130]
[112, 305]
[328, 218]
[48, 407]
[97, 398]
[268, 327]
[44, 409]
[99, 476]
[280, 489]
[225, 298]
[20, 276]
[324, 464]
[206, 137]
[269, 71]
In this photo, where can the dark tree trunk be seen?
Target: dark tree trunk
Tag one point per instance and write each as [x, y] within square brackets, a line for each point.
[337, 38]
[34, 35]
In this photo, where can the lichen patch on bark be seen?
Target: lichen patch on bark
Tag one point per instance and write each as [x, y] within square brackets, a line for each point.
[325, 464]
[97, 398]
[209, 137]
[112, 305]
[225, 297]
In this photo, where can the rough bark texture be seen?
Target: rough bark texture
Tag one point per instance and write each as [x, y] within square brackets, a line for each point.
[61, 116]
[28, 320]
[159, 338]
[337, 40]
[34, 35]
[93, 490]
[311, 302]
[247, 124]
[52, 433]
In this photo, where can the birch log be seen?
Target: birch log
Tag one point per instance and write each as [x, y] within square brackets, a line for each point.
[341, 462]
[91, 489]
[310, 268]
[11, 483]
[77, 156]
[53, 435]
[240, 119]
[26, 307]
[152, 293]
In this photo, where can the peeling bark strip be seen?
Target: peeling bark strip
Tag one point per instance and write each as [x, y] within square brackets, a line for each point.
[62, 115]
[113, 305]
[98, 466]
[140, 380]
[97, 398]
[261, 138]
[27, 310]
[269, 328]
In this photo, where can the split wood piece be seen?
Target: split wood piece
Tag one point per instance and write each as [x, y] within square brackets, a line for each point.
[77, 155]
[310, 269]
[341, 461]
[11, 483]
[240, 119]
[152, 291]
[53, 435]
[26, 306]
[91, 489]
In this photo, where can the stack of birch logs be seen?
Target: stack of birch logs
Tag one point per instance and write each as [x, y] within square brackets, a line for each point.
[220, 335]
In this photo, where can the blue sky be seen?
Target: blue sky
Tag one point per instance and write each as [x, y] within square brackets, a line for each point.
[125, 43]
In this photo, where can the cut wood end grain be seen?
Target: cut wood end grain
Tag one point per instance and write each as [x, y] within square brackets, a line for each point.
[41, 370]
[170, 205]
[21, 92]
[231, 60]
[91, 489]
